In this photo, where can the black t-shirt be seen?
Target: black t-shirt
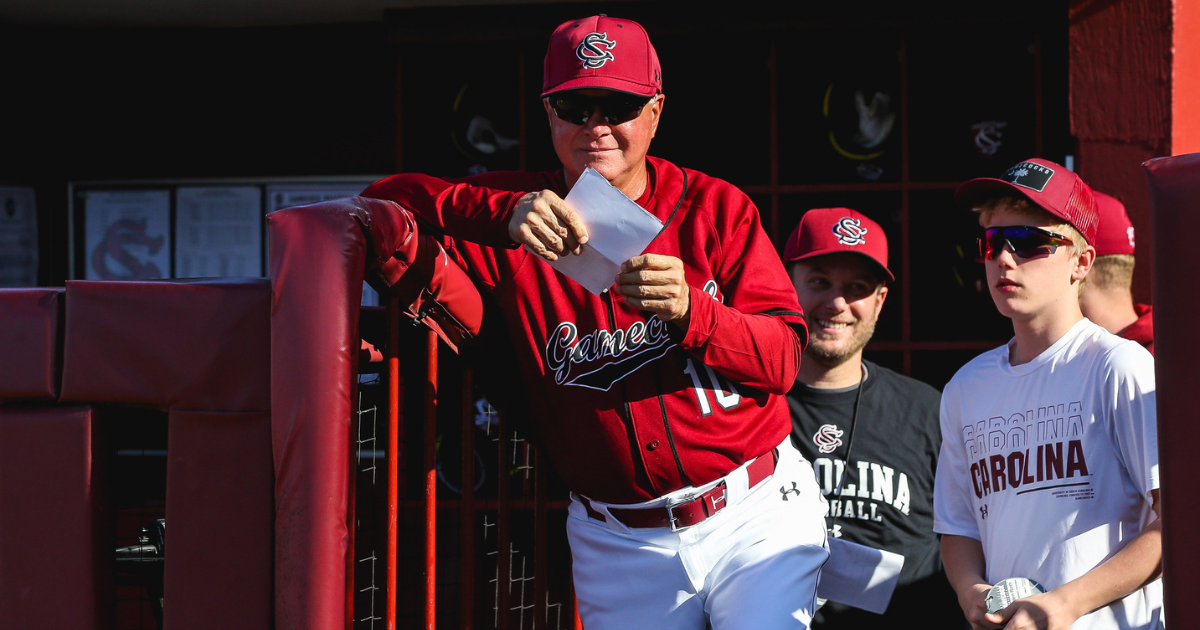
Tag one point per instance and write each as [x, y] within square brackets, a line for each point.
[887, 497]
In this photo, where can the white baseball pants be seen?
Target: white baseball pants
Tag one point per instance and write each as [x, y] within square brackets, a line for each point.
[754, 565]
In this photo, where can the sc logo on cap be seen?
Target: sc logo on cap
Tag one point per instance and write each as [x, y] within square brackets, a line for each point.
[592, 56]
[850, 231]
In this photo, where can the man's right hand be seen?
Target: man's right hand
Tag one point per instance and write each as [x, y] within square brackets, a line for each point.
[545, 224]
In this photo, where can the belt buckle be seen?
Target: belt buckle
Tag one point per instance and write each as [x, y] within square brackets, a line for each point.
[676, 502]
[718, 503]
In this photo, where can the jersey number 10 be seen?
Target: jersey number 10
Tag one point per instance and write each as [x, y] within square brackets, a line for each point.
[725, 393]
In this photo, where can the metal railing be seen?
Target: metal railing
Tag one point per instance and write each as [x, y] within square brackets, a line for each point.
[507, 565]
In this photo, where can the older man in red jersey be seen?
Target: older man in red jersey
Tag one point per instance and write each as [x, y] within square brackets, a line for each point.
[659, 401]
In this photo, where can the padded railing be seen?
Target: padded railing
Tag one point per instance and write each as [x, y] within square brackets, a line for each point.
[257, 380]
[197, 350]
[1175, 192]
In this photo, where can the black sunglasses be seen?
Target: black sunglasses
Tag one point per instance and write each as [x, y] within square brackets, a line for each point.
[1025, 241]
[615, 108]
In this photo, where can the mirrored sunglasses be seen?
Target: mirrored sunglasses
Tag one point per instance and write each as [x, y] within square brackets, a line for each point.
[614, 108]
[1025, 241]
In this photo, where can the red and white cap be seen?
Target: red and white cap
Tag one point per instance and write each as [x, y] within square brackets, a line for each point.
[1048, 185]
[834, 231]
[1115, 233]
[601, 52]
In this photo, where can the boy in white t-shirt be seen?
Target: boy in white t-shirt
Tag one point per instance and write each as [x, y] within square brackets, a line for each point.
[1049, 461]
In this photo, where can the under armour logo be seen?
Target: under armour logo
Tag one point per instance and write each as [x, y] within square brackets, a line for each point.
[828, 438]
[850, 231]
[983, 511]
[784, 490]
[592, 56]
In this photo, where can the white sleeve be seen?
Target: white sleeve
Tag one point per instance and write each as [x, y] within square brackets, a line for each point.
[953, 512]
[1129, 385]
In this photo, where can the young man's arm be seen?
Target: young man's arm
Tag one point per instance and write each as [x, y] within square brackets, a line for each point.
[1126, 571]
[965, 569]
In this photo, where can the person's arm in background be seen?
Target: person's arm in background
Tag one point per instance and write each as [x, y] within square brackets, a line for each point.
[954, 515]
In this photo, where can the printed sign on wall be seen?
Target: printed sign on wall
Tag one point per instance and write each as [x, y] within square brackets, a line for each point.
[218, 231]
[127, 234]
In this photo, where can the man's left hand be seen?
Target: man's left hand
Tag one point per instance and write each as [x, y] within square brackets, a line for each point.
[1045, 611]
[656, 283]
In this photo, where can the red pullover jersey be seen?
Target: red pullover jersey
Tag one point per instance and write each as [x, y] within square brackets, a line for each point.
[627, 406]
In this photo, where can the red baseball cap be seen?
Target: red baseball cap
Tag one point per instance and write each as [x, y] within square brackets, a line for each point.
[836, 230]
[1048, 185]
[1115, 232]
[601, 52]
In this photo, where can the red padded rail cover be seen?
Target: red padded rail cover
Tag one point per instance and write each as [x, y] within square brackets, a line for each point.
[201, 350]
[56, 536]
[30, 349]
[197, 344]
[320, 254]
[219, 480]
[1175, 194]
[317, 255]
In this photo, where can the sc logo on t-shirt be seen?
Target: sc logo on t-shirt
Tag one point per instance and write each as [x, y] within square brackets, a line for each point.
[828, 438]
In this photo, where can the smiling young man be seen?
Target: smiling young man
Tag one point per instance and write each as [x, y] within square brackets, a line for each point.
[854, 418]
[1049, 460]
[660, 402]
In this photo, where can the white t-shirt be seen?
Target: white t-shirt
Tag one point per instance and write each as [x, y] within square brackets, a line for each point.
[1050, 464]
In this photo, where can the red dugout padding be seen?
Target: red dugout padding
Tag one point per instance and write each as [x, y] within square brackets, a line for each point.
[56, 537]
[29, 343]
[199, 349]
[319, 255]
[1175, 195]
[257, 385]
[212, 492]
[201, 345]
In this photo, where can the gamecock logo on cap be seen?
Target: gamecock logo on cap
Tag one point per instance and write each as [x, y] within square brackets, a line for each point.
[850, 231]
[588, 51]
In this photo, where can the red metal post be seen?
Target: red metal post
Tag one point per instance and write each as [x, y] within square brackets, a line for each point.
[503, 522]
[393, 453]
[431, 383]
[466, 604]
[540, 590]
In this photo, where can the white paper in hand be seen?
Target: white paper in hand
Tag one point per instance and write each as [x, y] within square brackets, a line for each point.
[618, 229]
[860, 576]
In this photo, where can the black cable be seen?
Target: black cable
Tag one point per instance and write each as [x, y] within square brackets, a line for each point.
[849, 447]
